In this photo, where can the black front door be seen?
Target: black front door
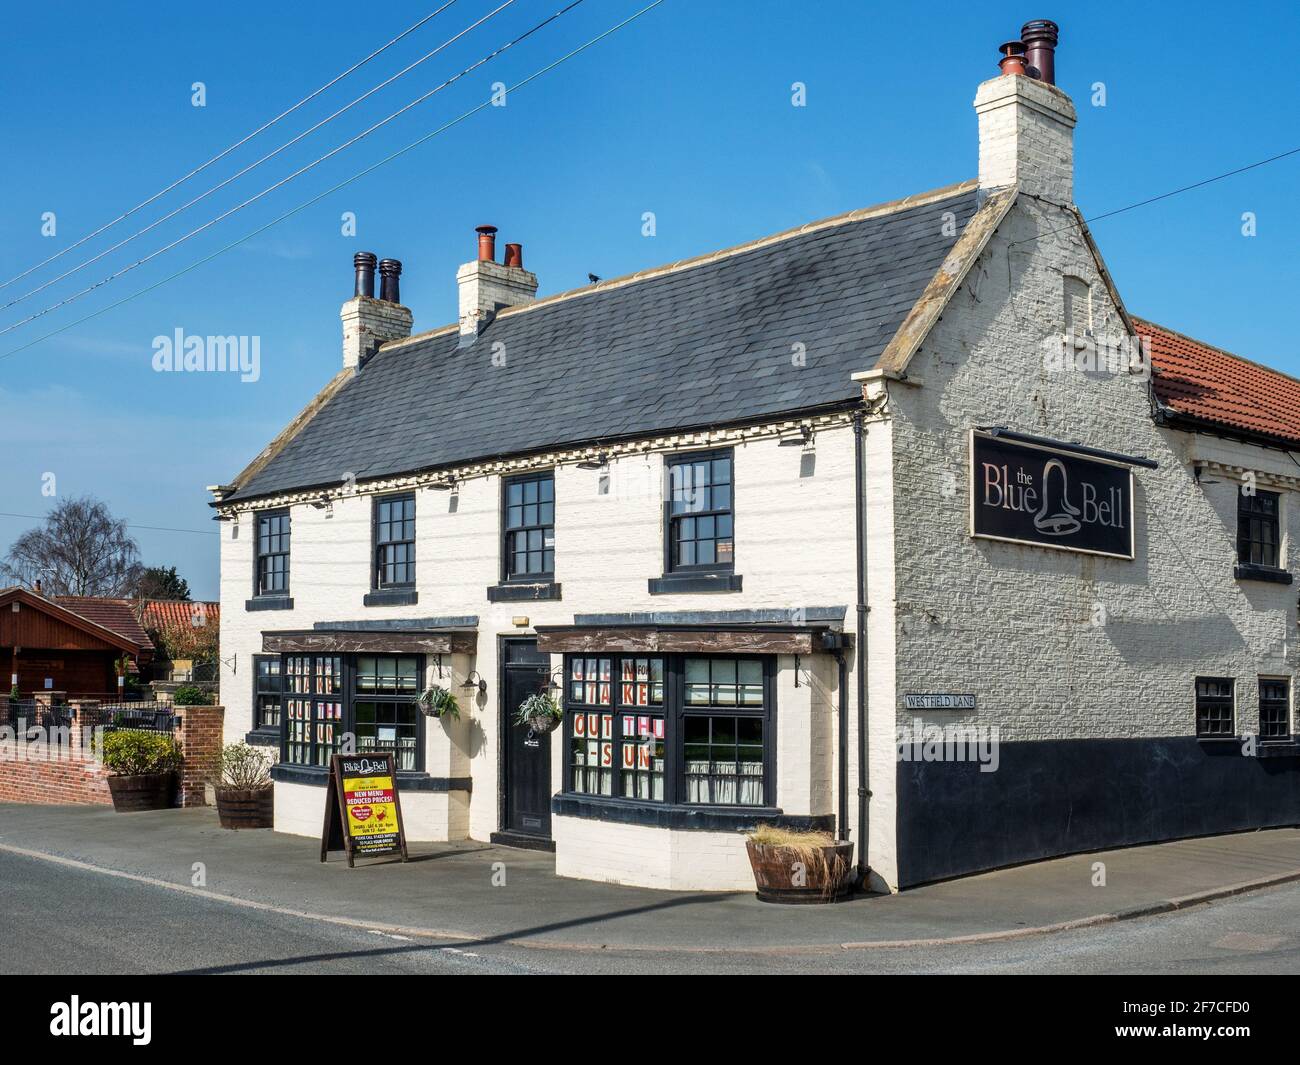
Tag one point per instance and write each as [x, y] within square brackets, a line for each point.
[527, 755]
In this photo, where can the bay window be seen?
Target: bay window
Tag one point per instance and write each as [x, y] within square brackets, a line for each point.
[674, 729]
[267, 689]
[372, 698]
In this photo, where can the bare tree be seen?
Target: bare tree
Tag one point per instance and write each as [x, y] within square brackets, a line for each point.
[81, 550]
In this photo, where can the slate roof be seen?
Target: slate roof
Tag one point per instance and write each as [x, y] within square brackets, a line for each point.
[1211, 385]
[696, 346]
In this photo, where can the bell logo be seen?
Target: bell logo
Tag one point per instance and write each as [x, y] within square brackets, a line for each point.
[1058, 516]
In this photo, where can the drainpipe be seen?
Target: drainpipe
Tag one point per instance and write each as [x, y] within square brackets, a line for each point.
[842, 689]
[860, 521]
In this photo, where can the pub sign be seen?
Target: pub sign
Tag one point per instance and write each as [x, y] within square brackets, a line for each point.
[1031, 494]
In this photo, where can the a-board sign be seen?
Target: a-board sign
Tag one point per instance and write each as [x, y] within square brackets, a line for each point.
[363, 812]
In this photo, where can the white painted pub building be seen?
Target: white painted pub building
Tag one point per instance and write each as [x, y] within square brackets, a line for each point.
[897, 524]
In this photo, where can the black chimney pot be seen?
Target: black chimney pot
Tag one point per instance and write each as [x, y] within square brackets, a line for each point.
[1040, 36]
[389, 271]
[365, 261]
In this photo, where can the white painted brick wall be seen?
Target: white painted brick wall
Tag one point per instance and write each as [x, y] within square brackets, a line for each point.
[1026, 136]
[1013, 624]
[794, 548]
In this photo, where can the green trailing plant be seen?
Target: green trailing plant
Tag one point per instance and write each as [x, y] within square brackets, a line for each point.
[190, 695]
[129, 754]
[440, 702]
[245, 768]
[539, 705]
[14, 694]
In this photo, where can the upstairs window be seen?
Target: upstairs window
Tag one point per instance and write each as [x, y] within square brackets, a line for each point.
[530, 527]
[395, 541]
[1258, 529]
[1215, 707]
[699, 520]
[272, 575]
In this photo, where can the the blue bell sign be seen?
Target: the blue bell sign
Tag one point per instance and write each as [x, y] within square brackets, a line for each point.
[1048, 497]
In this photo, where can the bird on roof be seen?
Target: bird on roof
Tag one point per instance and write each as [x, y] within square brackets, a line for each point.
[593, 279]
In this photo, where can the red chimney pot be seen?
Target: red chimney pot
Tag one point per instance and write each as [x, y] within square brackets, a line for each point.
[515, 255]
[1013, 57]
[487, 243]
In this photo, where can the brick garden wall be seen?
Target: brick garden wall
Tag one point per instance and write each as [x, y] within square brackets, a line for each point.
[66, 775]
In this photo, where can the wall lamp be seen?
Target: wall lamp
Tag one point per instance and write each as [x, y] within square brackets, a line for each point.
[475, 682]
[800, 437]
[598, 463]
[446, 484]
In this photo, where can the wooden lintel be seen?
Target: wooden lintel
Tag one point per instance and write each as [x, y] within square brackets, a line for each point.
[669, 640]
[325, 642]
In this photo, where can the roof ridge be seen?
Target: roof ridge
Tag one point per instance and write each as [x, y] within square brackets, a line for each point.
[858, 214]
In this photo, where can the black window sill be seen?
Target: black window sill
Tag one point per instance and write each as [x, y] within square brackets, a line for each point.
[688, 818]
[392, 597]
[508, 592]
[263, 738]
[1244, 571]
[1288, 748]
[407, 779]
[693, 583]
[269, 602]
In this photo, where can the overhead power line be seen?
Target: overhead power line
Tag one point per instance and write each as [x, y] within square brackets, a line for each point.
[1162, 196]
[238, 144]
[129, 525]
[254, 165]
[334, 188]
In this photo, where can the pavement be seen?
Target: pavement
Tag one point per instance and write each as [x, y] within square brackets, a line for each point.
[76, 922]
[482, 895]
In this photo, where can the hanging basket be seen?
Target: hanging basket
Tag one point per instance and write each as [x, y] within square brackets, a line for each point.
[543, 723]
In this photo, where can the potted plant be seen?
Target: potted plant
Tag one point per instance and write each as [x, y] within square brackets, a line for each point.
[439, 702]
[245, 792]
[142, 770]
[539, 712]
[799, 866]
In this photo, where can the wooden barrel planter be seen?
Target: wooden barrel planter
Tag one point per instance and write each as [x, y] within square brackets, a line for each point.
[246, 808]
[826, 880]
[148, 791]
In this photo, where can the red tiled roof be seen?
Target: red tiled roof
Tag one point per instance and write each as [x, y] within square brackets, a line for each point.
[115, 614]
[1215, 386]
[159, 612]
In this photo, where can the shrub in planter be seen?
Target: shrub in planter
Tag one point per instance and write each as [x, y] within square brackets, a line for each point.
[799, 866]
[142, 768]
[245, 795]
[439, 702]
[539, 712]
[189, 695]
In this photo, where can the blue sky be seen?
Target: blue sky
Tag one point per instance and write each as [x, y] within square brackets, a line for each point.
[686, 113]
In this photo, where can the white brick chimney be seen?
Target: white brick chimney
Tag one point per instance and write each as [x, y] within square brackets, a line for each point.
[368, 322]
[486, 285]
[1026, 122]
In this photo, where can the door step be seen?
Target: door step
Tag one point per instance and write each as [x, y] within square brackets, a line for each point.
[521, 841]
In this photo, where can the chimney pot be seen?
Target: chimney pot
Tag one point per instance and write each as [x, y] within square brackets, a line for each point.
[1040, 36]
[515, 255]
[487, 243]
[389, 271]
[365, 261]
[1013, 57]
